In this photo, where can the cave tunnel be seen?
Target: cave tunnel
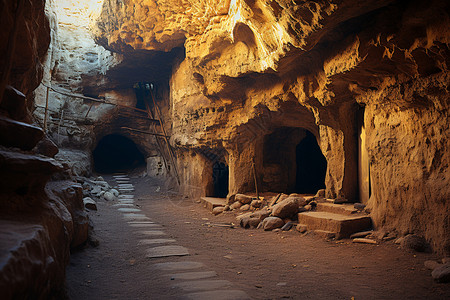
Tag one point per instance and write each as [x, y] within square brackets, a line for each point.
[116, 153]
[220, 180]
[311, 166]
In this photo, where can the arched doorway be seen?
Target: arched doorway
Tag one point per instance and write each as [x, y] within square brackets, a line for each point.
[311, 166]
[116, 153]
[220, 180]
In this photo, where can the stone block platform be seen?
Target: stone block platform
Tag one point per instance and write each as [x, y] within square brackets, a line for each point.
[211, 202]
[342, 225]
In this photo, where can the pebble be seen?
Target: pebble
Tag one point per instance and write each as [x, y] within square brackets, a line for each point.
[218, 210]
[302, 228]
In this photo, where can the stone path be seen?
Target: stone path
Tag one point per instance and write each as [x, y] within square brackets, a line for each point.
[192, 278]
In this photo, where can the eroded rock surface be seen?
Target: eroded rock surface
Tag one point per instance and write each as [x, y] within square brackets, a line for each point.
[368, 80]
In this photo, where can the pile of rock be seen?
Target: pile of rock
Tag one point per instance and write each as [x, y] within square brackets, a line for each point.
[95, 189]
[279, 211]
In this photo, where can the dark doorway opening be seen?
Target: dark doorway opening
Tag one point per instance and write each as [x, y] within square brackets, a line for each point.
[116, 153]
[220, 179]
[311, 166]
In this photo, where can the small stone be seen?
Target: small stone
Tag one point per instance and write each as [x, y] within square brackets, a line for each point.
[276, 230]
[399, 241]
[249, 222]
[218, 210]
[256, 203]
[244, 199]
[271, 223]
[307, 207]
[359, 206]
[245, 207]
[442, 273]
[109, 196]
[226, 208]
[302, 228]
[431, 264]
[114, 192]
[320, 193]
[236, 205]
[89, 203]
[288, 226]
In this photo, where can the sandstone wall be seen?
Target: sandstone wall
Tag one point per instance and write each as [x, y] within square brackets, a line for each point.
[330, 67]
[41, 209]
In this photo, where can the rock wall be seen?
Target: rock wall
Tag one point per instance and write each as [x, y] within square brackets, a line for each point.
[338, 69]
[41, 209]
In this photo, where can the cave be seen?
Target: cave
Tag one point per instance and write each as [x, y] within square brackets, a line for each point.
[293, 162]
[311, 166]
[220, 180]
[245, 103]
[116, 153]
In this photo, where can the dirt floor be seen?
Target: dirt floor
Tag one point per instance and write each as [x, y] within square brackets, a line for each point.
[265, 265]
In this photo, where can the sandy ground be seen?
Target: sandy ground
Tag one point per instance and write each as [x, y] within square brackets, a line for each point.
[266, 265]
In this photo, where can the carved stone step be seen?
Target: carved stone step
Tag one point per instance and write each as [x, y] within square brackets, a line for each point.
[342, 225]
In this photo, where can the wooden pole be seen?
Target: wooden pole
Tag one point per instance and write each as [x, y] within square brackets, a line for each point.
[158, 142]
[46, 111]
[165, 137]
[95, 100]
[59, 126]
[254, 176]
[9, 57]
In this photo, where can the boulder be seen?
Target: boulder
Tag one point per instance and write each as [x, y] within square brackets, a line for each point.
[442, 273]
[288, 207]
[415, 242]
[244, 199]
[89, 203]
[271, 223]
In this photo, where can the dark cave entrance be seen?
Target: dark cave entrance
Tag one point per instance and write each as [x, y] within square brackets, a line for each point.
[311, 166]
[116, 153]
[293, 162]
[220, 179]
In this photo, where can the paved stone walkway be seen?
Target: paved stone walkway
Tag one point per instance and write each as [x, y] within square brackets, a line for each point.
[192, 278]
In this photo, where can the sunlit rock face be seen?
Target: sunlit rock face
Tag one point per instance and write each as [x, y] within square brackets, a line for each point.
[368, 79]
